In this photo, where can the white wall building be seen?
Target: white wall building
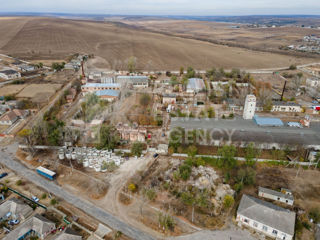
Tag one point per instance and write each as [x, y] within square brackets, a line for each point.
[249, 107]
[283, 196]
[267, 218]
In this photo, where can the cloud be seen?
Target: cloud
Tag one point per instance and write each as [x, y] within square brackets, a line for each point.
[165, 7]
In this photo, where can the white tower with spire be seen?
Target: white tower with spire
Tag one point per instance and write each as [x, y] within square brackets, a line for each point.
[249, 107]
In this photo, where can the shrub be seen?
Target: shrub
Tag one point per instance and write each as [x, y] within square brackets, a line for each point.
[315, 215]
[43, 196]
[19, 182]
[53, 201]
[228, 201]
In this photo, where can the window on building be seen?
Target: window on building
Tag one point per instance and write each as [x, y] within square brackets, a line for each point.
[275, 232]
[278, 198]
[255, 224]
[246, 220]
[264, 228]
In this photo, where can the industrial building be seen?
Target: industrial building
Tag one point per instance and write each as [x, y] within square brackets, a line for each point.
[240, 132]
[136, 81]
[108, 95]
[93, 87]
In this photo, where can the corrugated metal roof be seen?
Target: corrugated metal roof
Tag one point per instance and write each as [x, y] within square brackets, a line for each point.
[117, 85]
[195, 84]
[108, 92]
[266, 121]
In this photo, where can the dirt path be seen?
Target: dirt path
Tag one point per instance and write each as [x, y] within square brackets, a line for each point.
[117, 181]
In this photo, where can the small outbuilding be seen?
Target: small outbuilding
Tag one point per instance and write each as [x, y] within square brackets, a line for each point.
[284, 196]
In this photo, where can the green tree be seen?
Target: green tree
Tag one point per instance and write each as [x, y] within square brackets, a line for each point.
[137, 148]
[250, 154]
[174, 80]
[227, 156]
[190, 72]
[166, 222]
[109, 137]
[211, 112]
[181, 71]
[185, 171]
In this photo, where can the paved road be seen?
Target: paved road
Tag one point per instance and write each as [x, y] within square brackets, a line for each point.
[7, 159]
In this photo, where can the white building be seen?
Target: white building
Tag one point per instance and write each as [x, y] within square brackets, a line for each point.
[9, 74]
[284, 196]
[267, 218]
[313, 82]
[281, 106]
[249, 107]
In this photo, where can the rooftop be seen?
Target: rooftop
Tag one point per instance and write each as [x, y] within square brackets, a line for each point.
[195, 84]
[69, 234]
[267, 121]
[275, 193]
[16, 207]
[37, 223]
[8, 71]
[267, 213]
[247, 131]
[113, 93]
[112, 85]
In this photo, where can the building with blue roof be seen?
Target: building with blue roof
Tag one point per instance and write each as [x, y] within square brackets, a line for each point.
[109, 95]
[268, 121]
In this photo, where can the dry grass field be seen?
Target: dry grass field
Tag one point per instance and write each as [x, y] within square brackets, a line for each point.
[52, 38]
[11, 89]
[39, 92]
[266, 39]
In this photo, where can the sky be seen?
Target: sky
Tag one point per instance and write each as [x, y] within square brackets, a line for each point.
[165, 7]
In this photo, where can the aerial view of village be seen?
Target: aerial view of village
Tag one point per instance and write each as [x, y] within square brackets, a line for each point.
[152, 121]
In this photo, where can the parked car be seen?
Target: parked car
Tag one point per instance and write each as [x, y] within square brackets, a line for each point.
[34, 198]
[13, 222]
[2, 175]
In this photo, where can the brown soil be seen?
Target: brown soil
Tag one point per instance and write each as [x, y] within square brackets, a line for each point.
[50, 38]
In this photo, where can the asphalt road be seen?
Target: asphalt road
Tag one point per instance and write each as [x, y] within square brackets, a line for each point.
[7, 159]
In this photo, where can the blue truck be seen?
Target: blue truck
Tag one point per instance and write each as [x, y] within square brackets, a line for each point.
[46, 173]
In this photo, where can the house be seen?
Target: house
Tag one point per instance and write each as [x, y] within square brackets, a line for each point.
[284, 196]
[37, 225]
[26, 68]
[136, 81]
[109, 95]
[267, 218]
[69, 234]
[9, 74]
[132, 134]
[169, 98]
[313, 82]
[93, 87]
[195, 85]
[18, 209]
[8, 118]
[280, 106]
